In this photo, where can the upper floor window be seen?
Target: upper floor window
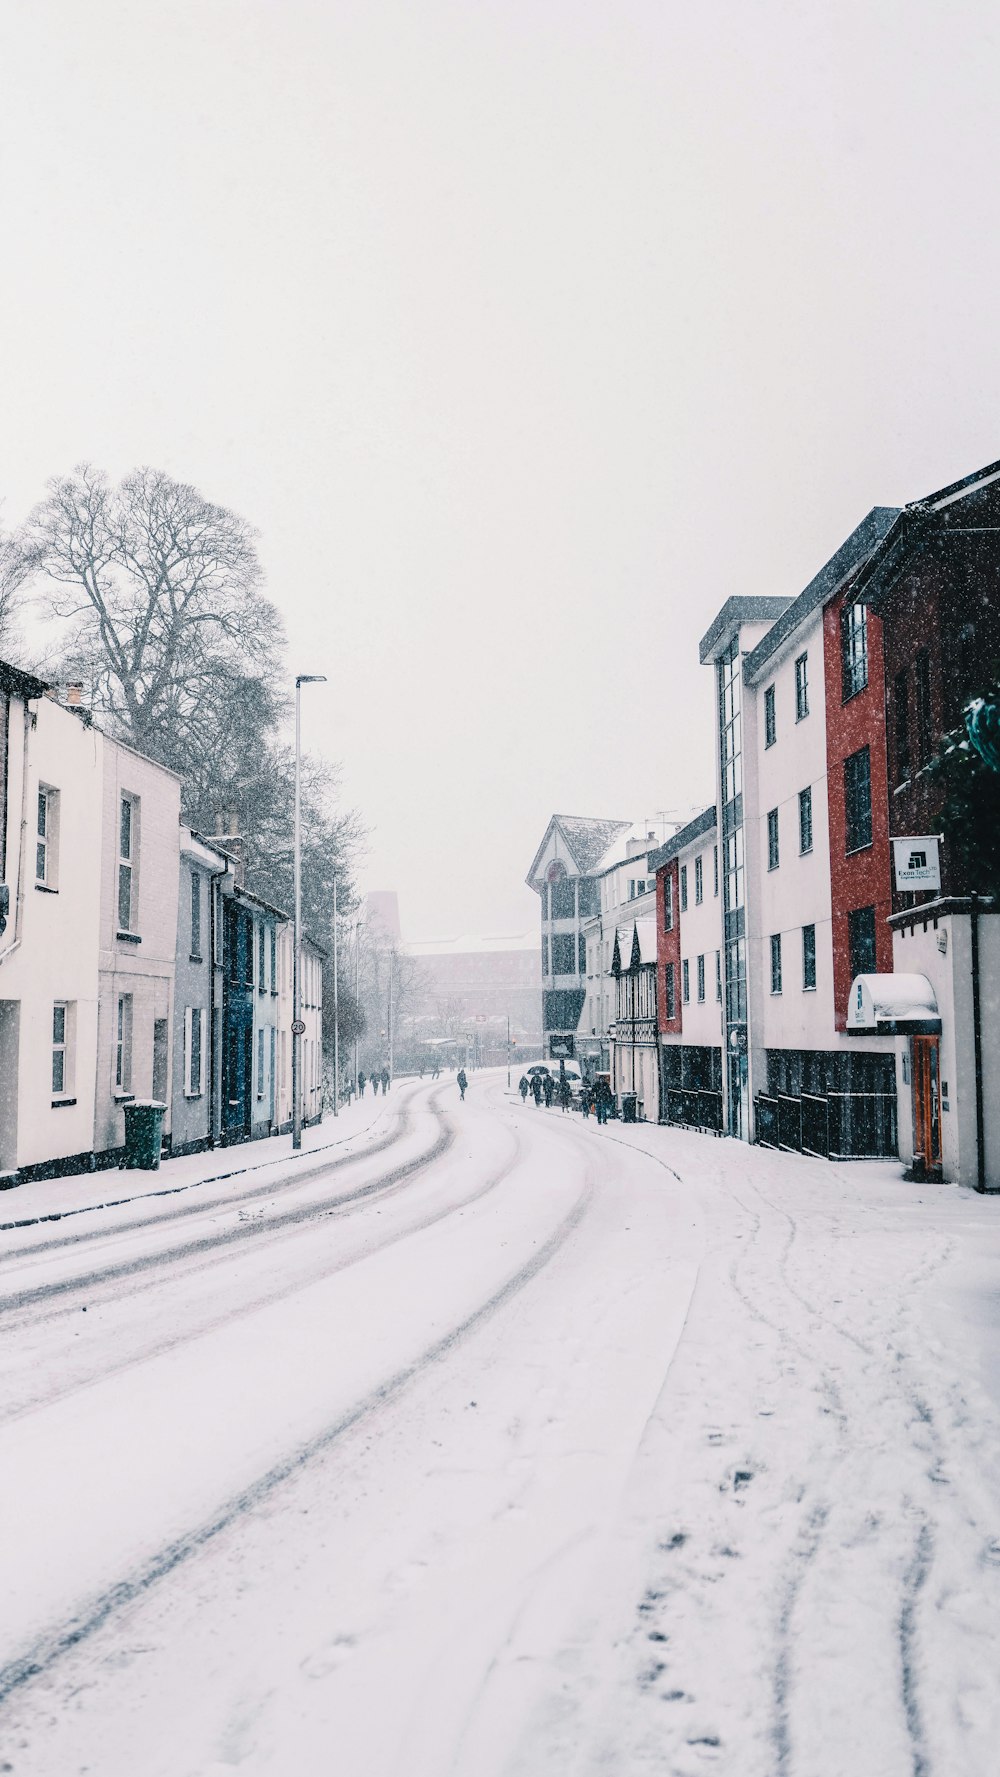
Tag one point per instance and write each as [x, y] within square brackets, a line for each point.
[248, 951]
[715, 869]
[861, 940]
[853, 649]
[925, 719]
[563, 954]
[718, 974]
[808, 957]
[261, 957]
[545, 956]
[701, 978]
[858, 800]
[62, 1049]
[801, 687]
[684, 888]
[776, 962]
[582, 952]
[770, 719]
[772, 840]
[274, 959]
[195, 914]
[668, 902]
[685, 981]
[562, 899]
[699, 882]
[806, 819]
[128, 862]
[47, 838]
[670, 986]
[901, 726]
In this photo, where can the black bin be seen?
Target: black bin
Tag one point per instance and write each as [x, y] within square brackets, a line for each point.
[629, 1104]
[144, 1134]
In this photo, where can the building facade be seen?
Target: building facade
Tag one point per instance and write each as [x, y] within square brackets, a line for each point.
[565, 875]
[689, 974]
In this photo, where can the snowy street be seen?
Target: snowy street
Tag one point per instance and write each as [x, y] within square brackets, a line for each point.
[491, 1443]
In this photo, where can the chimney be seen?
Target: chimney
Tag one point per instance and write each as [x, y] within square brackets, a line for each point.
[74, 695]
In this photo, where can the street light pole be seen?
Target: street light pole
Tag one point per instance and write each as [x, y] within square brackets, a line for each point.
[336, 1009]
[508, 1049]
[297, 1025]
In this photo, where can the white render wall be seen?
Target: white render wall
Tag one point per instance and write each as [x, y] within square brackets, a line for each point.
[51, 955]
[622, 901]
[312, 1042]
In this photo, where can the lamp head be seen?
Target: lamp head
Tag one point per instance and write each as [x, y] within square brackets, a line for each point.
[310, 678]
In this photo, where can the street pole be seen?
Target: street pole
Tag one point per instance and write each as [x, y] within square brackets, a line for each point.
[508, 1048]
[392, 958]
[301, 679]
[336, 1008]
[357, 997]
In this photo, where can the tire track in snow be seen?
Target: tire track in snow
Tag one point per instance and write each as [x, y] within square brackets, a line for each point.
[314, 1210]
[344, 1208]
[48, 1650]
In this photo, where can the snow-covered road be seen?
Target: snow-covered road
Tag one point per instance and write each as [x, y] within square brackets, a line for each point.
[493, 1444]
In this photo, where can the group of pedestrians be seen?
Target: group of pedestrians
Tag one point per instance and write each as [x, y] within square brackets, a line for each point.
[376, 1079]
[543, 1088]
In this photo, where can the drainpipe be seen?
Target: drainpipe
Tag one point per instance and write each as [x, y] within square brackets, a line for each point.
[977, 1045]
[22, 849]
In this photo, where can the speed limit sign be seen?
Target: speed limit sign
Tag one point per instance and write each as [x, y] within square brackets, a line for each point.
[298, 1027]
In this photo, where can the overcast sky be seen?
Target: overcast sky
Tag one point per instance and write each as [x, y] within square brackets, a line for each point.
[525, 333]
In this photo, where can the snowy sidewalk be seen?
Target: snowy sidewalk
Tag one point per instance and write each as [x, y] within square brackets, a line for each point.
[75, 1193]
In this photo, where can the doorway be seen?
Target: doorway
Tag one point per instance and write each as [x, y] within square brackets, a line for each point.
[925, 1067]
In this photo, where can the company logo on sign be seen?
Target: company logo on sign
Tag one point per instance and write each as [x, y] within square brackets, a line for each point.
[917, 863]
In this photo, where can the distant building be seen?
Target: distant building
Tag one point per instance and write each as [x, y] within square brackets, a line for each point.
[565, 874]
[382, 912]
[483, 978]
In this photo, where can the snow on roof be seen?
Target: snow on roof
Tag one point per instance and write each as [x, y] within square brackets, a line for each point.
[471, 946]
[878, 1000]
[591, 840]
[635, 933]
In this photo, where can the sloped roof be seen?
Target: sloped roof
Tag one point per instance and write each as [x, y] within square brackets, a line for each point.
[20, 684]
[635, 944]
[914, 528]
[859, 545]
[736, 611]
[588, 841]
[702, 823]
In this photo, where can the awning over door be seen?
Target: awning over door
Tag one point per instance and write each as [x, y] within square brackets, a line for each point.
[893, 1005]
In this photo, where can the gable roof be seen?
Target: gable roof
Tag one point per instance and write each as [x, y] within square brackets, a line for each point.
[859, 545]
[921, 525]
[635, 944]
[702, 824]
[587, 841]
[736, 611]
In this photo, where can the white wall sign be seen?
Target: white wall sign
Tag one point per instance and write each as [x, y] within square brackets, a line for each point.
[917, 863]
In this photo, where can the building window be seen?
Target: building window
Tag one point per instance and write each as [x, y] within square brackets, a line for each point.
[901, 712]
[701, 978]
[925, 720]
[631, 888]
[699, 882]
[808, 956]
[684, 888]
[260, 1063]
[47, 838]
[861, 941]
[776, 962]
[195, 916]
[858, 800]
[583, 954]
[685, 981]
[670, 984]
[715, 869]
[563, 953]
[772, 839]
[853, 649]
[123, 1043]
[805, 820]
[194, 1050]
[274, 959]
[248, 951]
[128, 858]
[718, 975]
[668, 901]
[61, 1059]
[545, 956]
[261, 958]
[562, 899]
[770, 721]
[801, 687]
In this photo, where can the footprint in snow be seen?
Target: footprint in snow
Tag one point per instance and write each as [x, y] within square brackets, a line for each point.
[329, 1658]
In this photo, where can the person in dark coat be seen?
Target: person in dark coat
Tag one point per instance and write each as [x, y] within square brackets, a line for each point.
[586, 1099]
[549, 1089]
[523, 1088]
[462, 1082]
[385, 1081]
[536, 1090]
[565, 1093]
[362, 1083]
[603, 1100]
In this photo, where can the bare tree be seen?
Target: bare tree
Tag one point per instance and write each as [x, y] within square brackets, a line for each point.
[160, 592]
[13, 571]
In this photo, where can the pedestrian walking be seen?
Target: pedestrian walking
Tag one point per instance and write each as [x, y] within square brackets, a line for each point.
[385, 1081]
[536, 1090]
[549, 1089]
[586, 1099]
[462, 1082]
[523, 1088]
[362, 1083]
[565, 1093]
[603, 1100]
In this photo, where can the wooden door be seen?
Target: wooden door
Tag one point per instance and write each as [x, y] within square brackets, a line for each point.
[925, 1068]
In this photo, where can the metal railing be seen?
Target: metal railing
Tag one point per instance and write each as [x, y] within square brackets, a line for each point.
[834, 1126]
[693, 1107]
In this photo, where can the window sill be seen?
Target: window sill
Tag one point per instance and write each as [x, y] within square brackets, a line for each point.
[195, 959]
[811, 989]
[768, 744]
[771, 868]
[804, 717]
[60, 1104]
[849, 696]
[128, 937]
[855, 850]
[192, 1097]
[43, 888]
[805, 851]
[122, 1097]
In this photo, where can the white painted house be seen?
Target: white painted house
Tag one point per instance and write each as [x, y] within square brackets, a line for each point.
[51, 767]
